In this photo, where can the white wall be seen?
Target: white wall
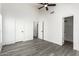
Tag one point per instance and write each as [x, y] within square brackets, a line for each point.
[55, 23]
[8, 24]
[24, 21]
[0, 28]
[18, 17]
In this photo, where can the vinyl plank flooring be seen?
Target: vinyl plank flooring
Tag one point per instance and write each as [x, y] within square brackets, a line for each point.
[38, 47]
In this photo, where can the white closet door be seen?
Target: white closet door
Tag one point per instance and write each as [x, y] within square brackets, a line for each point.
[41, 30]
[0, 32]
[19, 30]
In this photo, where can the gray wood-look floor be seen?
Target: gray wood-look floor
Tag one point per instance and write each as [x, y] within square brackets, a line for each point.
[38, 47]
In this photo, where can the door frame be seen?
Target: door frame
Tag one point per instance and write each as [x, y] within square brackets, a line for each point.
[64, 27]
[1, 33]
[43, 30]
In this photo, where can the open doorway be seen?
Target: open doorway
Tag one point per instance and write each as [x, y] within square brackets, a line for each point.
[38, 30]
[35, 30]
[68, 31]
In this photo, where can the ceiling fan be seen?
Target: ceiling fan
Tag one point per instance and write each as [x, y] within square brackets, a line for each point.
[46, 5]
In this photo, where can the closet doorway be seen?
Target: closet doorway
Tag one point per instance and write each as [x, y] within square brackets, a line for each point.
[38, 30]
[68, 30]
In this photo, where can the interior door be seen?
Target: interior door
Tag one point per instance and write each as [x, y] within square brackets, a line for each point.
[41, 30]
[19, 30]
[68, 29]
[0, 32]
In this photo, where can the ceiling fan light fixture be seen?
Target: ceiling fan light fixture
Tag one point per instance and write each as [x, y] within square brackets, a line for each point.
[45, 5]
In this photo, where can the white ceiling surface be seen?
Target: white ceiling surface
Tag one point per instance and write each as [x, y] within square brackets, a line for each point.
[36, 5]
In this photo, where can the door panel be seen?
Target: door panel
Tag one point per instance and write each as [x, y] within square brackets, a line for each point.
[41, 30]
[19, 30]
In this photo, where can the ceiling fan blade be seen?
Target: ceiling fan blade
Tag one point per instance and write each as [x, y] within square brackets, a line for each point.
[51, 4]
[46, 8]
[42, 3]
[41, 7]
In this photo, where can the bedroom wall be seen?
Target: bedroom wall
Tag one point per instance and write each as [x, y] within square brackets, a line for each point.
[18, 18]
[55, 23]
